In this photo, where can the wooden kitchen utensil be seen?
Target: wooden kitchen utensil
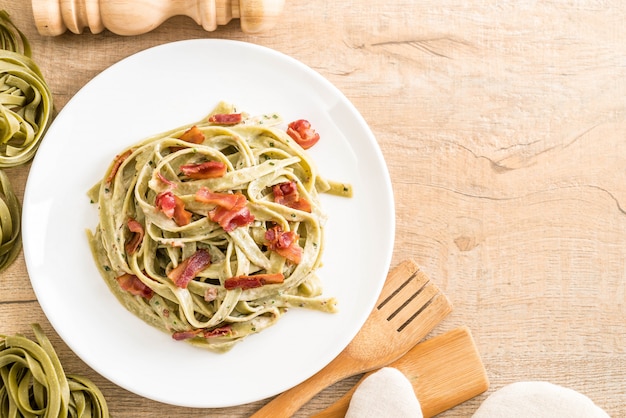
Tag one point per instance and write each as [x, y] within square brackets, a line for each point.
[54, 17]
[409, 307]
[445, 371]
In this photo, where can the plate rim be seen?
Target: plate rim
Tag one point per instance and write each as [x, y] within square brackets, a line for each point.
[385, 259]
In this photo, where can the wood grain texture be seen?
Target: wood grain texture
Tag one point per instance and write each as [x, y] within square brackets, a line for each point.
[503, 127]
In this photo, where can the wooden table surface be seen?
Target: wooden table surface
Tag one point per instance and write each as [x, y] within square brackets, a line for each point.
[503, 125]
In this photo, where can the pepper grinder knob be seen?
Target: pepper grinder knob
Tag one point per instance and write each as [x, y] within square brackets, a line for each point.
[123, 17]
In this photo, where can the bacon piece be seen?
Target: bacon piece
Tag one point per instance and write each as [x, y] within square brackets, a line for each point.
[166, 203]
[185, 335]
[133, 285]
[226, 118]
[284, 243]
[193, 135]
[226, 200]
[230, 219]
[301, 132]
[136, 237]
[166, 181]
[231, 210]
[206, 170]
[189, 268]
[287, 194]
[119, 159]
[173, 207]
[250, 282]
[216, 332]
[182, 217]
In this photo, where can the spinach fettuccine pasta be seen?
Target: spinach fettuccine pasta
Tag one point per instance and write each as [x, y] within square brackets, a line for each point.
[34, 384]
[211, 231]
[26, 107]
[25, 112]
[10, 232]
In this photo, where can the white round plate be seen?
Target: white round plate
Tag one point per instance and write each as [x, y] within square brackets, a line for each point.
[151, 92]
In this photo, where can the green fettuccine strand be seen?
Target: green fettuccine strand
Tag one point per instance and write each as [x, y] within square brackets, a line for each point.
[26, 107]
[33, 383]
[10, 213]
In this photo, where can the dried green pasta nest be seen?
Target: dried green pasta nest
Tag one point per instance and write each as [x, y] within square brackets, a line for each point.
[10, 212]
[11, 38]
[26, 107]
[33, 383]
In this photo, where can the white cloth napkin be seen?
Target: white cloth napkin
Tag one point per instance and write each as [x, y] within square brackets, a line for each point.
[538, 400]
[389, 394]
[385, 394]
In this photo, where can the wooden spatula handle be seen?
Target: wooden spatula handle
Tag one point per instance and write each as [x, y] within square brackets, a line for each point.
[54, 17]
[289, 402]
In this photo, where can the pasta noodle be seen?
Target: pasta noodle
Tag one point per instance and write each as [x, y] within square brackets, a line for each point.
[11, 38]
[33, 383]
[211, 231]
[25, 99]
[10, 232]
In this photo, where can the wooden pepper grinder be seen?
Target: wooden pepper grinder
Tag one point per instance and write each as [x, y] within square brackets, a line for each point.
[124, 17]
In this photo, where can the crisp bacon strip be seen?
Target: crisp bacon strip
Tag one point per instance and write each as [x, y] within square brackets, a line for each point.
[189, 268]
[228, 201]
[206, 170]
[284, 243]
[216, 332]
[230, 211]
[230, 219]
[181, 216]
[166, 203]
[250, 282]
[226, 118]
[133, 285]
[119, 159]
[173, 207]
[287, 194]
[301, 132]
[193, 135]
[163, 179]
[136, 237]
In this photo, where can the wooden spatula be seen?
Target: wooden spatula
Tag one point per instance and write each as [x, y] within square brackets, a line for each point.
[445, 371]
[409, 307]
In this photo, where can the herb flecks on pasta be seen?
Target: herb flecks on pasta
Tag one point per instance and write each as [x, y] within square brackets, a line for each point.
[211, 231]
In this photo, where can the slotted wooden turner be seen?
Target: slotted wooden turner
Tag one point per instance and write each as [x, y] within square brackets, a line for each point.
[445, 371]
[408, 308]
